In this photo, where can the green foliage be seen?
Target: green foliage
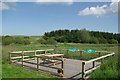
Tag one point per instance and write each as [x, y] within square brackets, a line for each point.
[42, 41]
[109, 69]
[51, 41]
[21, 41]
[26, 42]
[113, 41]
[82, 36]
[61, 39]
[7, 40]
[48, 41]
[102, 40]
[94, 40]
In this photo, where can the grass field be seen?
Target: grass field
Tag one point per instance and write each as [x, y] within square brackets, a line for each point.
[108, 70]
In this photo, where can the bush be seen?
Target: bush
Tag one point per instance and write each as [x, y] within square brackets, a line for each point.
[102, 40]
[84, 36]
[21, 41]
[42, 41]
[7, 40]
[48, 41]
[113, 41]
[51, 41]
[94, 40]
[26, 42]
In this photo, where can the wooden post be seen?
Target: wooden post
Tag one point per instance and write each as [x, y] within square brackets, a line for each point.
[99, 54]
[35, 55]
[45, 51]
[93, 64]
[81, 52]
[38, 61]
[22, 57]
[67, 53]
[55, 51]
[9, 58]
[83, 70]
[62, 66]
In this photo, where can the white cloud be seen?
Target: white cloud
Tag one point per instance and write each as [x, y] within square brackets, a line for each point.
[105, 10]
[55, 1]
[10, 0]
[98, 11]
[115, 0]
[3, 6]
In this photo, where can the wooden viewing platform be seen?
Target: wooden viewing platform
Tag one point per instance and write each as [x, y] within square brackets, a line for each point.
[72, 68]
[55, 64]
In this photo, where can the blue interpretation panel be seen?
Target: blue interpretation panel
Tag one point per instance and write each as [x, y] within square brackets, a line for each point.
[73, 49]
[89, 51]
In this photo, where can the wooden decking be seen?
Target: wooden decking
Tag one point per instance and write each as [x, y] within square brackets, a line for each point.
[72, 67]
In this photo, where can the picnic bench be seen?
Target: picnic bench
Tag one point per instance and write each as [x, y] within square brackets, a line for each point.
[48, 57]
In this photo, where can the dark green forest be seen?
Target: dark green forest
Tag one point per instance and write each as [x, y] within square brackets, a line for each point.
[83, 36]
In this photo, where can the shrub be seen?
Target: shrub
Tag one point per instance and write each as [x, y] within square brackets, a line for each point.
[113, 41]
[94, 40]
[21, 41]
[26, 37]
[51, 41]
[7, 40]
[42, 41]
[102, 40]
[26, 42]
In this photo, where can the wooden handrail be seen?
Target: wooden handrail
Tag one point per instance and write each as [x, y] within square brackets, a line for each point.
[93, 60]
[99, 58]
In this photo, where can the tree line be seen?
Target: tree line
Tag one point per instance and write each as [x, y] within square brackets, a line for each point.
[65, 36]
[83, 36]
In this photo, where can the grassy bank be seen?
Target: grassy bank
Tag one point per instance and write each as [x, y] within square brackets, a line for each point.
[109, 69]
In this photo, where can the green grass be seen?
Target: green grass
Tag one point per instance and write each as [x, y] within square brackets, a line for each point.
[107, 68]
[11, 71]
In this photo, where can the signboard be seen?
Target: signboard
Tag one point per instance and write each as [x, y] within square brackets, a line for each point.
[89, 51]
[73, 49]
